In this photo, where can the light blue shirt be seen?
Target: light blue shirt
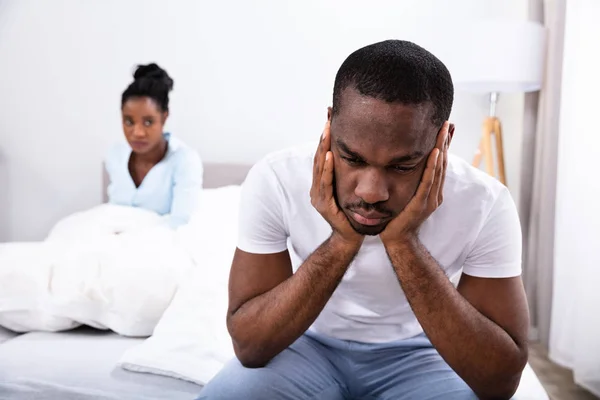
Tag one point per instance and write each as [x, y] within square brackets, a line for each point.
[172, 186]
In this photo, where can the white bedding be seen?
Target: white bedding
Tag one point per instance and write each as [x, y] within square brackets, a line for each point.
[191, 341]
[76, 365]
[6, 335]
[85, 273]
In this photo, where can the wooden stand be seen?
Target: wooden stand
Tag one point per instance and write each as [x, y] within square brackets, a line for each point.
[491, 127]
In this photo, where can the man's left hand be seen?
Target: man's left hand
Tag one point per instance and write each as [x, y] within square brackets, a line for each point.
[429, 195]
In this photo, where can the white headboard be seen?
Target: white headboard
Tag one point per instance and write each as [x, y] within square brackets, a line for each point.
[215, 175]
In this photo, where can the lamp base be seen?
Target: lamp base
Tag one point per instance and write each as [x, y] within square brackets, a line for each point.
[491, 127]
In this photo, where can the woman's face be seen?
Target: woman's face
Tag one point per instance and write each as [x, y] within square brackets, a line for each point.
[143, 123]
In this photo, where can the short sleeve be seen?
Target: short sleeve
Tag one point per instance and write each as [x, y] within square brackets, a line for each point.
[261, 218]
[496, 252]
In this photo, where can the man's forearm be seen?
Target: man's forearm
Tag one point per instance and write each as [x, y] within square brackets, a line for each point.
[479, 350]
[267, 324]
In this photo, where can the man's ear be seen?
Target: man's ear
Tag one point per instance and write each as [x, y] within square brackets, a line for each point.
[329, 113]
[165, 115]
[450, 133]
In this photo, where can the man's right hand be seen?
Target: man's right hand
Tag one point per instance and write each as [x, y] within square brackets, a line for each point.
[321, 193]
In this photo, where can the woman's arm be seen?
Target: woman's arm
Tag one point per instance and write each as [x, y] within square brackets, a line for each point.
[187, 188]
[112, 177]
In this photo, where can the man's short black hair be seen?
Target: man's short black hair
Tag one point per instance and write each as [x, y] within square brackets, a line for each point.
[397, 71]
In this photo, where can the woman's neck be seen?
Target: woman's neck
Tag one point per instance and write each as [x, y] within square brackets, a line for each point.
[155, 155]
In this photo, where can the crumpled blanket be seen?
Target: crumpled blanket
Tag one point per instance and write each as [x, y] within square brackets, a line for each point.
[111, 267]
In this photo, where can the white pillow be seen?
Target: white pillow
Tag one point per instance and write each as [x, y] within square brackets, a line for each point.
[215, 218]
[191, 341]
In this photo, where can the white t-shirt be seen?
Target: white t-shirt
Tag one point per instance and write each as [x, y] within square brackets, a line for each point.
[476, 230]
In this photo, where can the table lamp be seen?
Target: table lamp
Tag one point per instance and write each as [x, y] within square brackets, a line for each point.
[495, 57]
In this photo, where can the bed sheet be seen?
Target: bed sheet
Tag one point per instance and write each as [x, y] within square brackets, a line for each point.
[79, 364]
[6, 335]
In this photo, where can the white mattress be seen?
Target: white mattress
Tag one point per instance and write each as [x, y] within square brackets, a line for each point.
[79, 364]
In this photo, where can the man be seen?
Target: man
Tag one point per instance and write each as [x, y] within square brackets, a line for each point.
[369, 310]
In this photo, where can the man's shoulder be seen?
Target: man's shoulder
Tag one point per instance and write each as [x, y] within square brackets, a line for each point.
[294, 154]
[466, 185]
[289, 164]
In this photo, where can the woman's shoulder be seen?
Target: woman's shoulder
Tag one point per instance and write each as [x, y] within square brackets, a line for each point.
[116, 153]
[181, 153]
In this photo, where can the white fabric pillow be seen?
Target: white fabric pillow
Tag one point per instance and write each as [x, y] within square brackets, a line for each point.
[191, 341]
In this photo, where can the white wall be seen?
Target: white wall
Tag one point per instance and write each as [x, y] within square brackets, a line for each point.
[250, 77]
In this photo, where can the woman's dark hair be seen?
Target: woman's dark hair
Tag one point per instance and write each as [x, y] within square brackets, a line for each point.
[150, 81]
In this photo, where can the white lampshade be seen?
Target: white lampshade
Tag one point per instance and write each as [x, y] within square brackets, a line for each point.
[496, 56]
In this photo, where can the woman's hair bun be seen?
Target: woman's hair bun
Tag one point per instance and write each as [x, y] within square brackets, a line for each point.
[154, 72]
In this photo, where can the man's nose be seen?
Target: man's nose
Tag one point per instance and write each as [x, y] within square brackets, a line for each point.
[372, 186]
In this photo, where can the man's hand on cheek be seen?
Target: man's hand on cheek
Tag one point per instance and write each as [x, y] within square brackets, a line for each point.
[321, 193]
[429, 195]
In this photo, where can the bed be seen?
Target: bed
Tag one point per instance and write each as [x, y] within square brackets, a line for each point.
[82, 363]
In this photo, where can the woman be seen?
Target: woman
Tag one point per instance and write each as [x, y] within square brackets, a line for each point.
[156, 171]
